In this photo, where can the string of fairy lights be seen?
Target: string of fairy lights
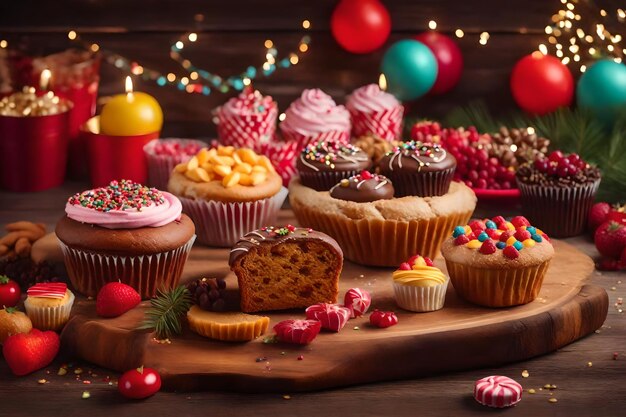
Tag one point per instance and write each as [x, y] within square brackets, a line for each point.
[577, 38]
[197, 80]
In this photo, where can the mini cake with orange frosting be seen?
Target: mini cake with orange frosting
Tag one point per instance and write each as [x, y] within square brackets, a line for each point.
[227, 192]
[48, 305]
[419, 286]
[498, 263]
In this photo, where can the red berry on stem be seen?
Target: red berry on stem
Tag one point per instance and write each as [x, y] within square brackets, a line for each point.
[610, 239]
[139, 383]
[115, 299]
[598, 214]
[556, 156]
[541, 165]
[10, 292]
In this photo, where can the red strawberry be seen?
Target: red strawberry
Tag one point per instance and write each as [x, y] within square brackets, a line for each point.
[499, 221]
[477, 225]
[383, 319]
[598, 214]
[622, 260]
[519, 221]
[610, 239]
[617, 216]
[115, 299]
[332, 316]
[488, 247]
[358, 301]
[28, 352]
[461, 240]
[299, 332]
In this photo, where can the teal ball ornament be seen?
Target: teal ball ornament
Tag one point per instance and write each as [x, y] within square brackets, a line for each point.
[602, 90]
[410, 69]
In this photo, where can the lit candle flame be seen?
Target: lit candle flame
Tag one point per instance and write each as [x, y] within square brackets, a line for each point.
[129, 89]
[382, 82]
[44, 79]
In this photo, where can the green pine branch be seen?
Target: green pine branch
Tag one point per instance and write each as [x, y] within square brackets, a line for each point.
[166, 312]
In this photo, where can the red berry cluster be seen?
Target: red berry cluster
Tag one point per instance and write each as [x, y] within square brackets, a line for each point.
[474, 165]
[559, 165]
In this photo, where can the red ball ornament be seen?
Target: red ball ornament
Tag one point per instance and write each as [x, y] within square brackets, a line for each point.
[360, 26]
[449, 60]
[541, 84]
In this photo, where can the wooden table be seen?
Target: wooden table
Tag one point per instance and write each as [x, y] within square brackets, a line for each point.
[589, 381]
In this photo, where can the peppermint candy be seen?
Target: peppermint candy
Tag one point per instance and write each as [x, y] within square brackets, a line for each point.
[497, 391]
[358, 301]
[332, 316]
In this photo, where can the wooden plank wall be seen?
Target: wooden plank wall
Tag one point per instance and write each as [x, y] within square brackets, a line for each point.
[232, 33]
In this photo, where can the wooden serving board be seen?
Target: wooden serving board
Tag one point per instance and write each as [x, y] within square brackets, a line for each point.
[460, 336]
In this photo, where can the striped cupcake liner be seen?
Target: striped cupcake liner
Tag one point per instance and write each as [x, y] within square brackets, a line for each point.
[386, 124]
[421, 184]
[249, 131]
[558, 211]
[49, 318]
[282, 155]
[222, 224]
[161, 166]
[497, 287]
[90, 271]
[420, 299]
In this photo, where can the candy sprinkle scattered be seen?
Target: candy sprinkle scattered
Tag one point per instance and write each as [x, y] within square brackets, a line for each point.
[301, 357]
[78, 371]
[261, 359]
[615, 355]
[552, 400]
[62, 371]
[287, 397]
[525, 374]
[589, 364]
[356, 328]
[42, 381]
[531, 391]
[85, 395]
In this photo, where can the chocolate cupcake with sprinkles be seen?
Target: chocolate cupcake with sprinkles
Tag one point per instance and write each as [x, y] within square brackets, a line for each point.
[323, 164]
[418, 169]
[497, 263]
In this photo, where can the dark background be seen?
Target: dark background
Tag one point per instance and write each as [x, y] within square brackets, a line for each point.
[232, 33]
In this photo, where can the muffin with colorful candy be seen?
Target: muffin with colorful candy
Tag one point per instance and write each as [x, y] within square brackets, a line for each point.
[247, 120]
[497, 263]
[419, 286]
[373, 111]
[125, 232]
[164, 154]
[558, 191]
[323, 164]
[315, 117]
[227, 192]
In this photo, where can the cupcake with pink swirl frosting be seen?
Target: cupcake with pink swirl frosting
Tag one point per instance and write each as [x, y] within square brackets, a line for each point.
[375, 112]
[316, 117]
[247, 121]
[125, 232]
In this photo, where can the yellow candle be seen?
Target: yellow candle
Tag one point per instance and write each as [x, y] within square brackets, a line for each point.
[131, 114]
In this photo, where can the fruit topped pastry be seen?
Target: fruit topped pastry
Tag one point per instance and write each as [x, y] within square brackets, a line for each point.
[419, 285]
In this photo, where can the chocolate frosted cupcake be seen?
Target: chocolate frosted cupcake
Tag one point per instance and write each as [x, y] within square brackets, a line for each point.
[323, 164]
[363, 188]
[418, 169]
[557, 192]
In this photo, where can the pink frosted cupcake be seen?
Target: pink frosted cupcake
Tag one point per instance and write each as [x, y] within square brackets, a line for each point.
[375, 112]
[247, 121]
[316, 117]
[164, 154]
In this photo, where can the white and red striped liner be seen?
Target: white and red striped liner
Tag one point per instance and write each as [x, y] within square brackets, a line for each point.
[358, 301]
[48, 290]
[247, 131]
[282, 155]
[497, 391]
[386, 124]
[332, 316]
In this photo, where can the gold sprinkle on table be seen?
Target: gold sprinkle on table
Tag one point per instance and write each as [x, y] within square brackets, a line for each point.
[552, 400]
[42, 381]
[62, 371]
[85, 395]
[525, 374]
[589, 364]
[287, 397]
[531, 391]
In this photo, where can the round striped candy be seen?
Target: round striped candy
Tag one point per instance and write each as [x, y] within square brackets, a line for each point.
[497, 391]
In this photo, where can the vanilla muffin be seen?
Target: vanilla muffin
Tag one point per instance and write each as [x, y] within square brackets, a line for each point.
[498, 263]
[227, 192]
[48, 305]
[419, 286]
[360, 224]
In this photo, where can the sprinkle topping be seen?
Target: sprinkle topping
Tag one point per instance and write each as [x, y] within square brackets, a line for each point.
[491, 236]
[329, 153]
[123, 195]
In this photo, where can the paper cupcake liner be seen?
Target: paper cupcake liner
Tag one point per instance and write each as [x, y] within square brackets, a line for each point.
[421, 184]
[378, 242]
[283, 157]
[497, 287]
[161, 166]
[386, 124]
[222, 224]
[342, 137]
[49, 318]
[420, 299]
[560, 212]
[89, 271]
[248, 131]
[324, 181]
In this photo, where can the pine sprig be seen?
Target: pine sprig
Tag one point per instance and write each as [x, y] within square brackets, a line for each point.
[166, 312]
